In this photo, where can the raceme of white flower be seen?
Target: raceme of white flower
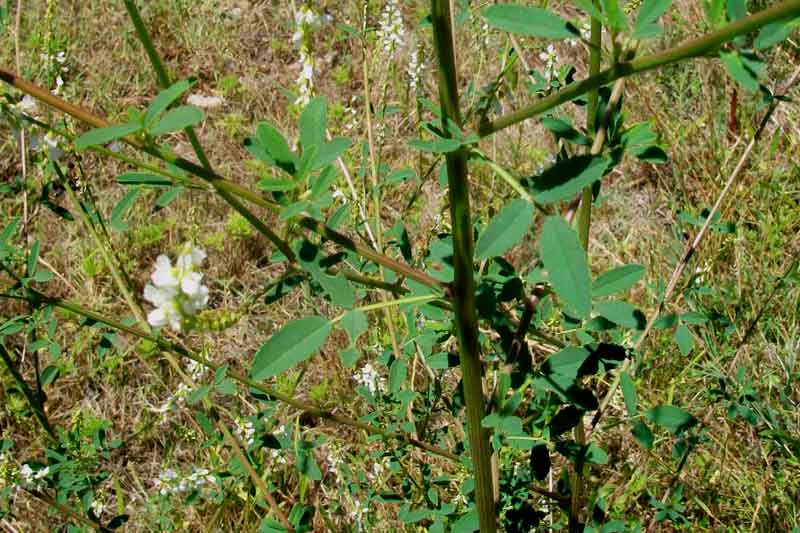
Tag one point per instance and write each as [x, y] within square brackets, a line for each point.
[368, 377]
[169, 482]
[306, 21]
[245, 432]
[178, 399]
[391, 31]
[176, 291]
[550, 61]
[195, 370]
[415, 70]
[32, 479]
[98, 507]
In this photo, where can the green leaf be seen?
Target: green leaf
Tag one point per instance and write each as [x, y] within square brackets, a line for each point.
[737, 9]
[43, 276]
[596, 455]
[269, 184]
[568, 177]
[397, 375]
[313, 123]
[123, 206]
[33, 256]
[628, 393]
[527, 20]
[168, 196]
[306, 464]
[590, 8]
[10, 230]
[349, 356]
[694, 318]
[684, 339]
[106, 135]
[505, 229]
[562, 129]
[621, 313]
[294, 343]
[775, 32]
[649, 13]
[468, 523]
[642, 434]
[738, 71]
[355, 323]
[617, 280]
[641, 141]
[141, 178]
[177, 119]
[567, 362]
[199, 394]
[276, 149]
[338, 288]
[163, 100]
[614, 15]
[439, 145]
[670, 417]
[565, 261]
[329, 151]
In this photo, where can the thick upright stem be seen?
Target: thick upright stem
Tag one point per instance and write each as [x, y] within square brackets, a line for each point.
[595, 58]
[464, 283]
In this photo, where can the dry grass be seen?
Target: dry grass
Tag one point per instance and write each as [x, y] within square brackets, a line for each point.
[735, 481]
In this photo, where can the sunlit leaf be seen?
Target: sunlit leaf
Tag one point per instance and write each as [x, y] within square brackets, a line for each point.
[162, 101]
[567, 178]
[670, 417]
[617, 280]
[142, 178]
[528, 20]
[177, 119]
[505, 229]
[565, 262]
[106, 135]
[294, 343]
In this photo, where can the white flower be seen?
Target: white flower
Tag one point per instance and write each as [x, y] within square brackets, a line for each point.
[98, 507]
[390, 27]
[196, 370]
[170, 482]
[368, 377]
[53, 151]
[27, 105]
[586, 30]
[245, 431]
[177, 292]
[414, 70]
[26, 472]
[550, 60]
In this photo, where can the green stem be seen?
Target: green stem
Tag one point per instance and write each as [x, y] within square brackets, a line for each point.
[39, 298]
[692, 48]
[584, 223]
[161, 74]
[390, 303]
[595, 60]
[33, 400]
[463, 288]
